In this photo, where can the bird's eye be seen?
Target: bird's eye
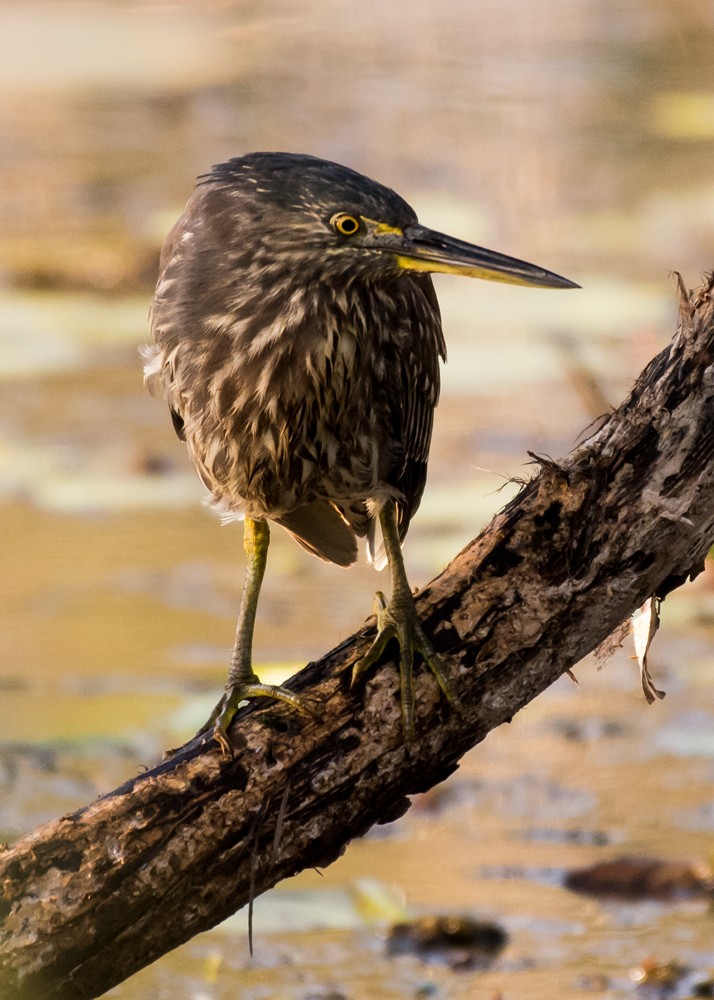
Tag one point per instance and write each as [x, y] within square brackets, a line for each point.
[344, 224]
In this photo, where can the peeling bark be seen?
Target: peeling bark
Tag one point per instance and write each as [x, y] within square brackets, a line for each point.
[96, 895]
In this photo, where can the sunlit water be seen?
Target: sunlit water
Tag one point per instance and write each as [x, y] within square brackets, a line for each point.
[579, 136]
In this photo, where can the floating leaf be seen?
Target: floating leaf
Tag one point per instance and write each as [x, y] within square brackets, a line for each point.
[684, 115]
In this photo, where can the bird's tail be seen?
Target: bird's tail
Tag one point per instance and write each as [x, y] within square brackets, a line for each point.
[322, 530]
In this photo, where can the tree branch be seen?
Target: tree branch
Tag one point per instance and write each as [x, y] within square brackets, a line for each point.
[90, 898]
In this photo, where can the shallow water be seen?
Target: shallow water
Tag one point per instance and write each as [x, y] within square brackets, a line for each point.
[579, 137]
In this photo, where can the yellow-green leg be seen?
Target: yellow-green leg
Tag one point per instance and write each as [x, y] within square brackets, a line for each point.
[243, 682]
[397, 619]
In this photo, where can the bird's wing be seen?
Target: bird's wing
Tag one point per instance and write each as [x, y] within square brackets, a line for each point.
[415, 392]
[419, 389]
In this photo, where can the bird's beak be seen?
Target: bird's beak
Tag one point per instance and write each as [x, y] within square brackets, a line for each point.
[422, 249]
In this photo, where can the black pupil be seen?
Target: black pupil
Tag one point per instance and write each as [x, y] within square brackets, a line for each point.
[348, 226]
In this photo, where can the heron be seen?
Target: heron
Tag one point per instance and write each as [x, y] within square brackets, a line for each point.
[297, 339]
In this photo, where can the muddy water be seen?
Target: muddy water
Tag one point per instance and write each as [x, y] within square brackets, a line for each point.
[580, 138]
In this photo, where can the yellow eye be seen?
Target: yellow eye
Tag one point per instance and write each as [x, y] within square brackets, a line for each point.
[344, 224]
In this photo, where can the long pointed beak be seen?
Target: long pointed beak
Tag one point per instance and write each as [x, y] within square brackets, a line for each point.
[423, 249]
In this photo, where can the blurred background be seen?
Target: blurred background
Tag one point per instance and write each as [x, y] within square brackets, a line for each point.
[576, 135]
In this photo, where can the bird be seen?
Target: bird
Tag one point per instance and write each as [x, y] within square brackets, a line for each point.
[297, 339]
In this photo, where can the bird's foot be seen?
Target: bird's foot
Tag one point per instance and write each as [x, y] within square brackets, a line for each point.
[398, 620]
[240, 691]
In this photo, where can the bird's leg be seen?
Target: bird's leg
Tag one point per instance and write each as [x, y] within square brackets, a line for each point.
[397, 619]
[243, 682]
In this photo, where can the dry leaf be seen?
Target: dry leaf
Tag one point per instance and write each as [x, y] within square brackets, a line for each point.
[645, 623]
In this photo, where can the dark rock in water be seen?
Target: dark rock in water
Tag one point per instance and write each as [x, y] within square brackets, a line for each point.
[642, 878]
[456, 942]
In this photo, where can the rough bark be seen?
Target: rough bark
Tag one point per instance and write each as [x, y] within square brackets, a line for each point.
[90, 898]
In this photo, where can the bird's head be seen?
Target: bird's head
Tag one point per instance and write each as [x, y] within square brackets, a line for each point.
[292, 211]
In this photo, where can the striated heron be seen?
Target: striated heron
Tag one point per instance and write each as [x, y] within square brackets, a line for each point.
[297, 341]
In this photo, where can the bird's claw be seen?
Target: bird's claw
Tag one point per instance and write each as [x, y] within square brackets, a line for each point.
[236, 693]
[399, 621]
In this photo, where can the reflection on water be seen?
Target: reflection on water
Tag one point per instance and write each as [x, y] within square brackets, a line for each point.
[580, 136]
